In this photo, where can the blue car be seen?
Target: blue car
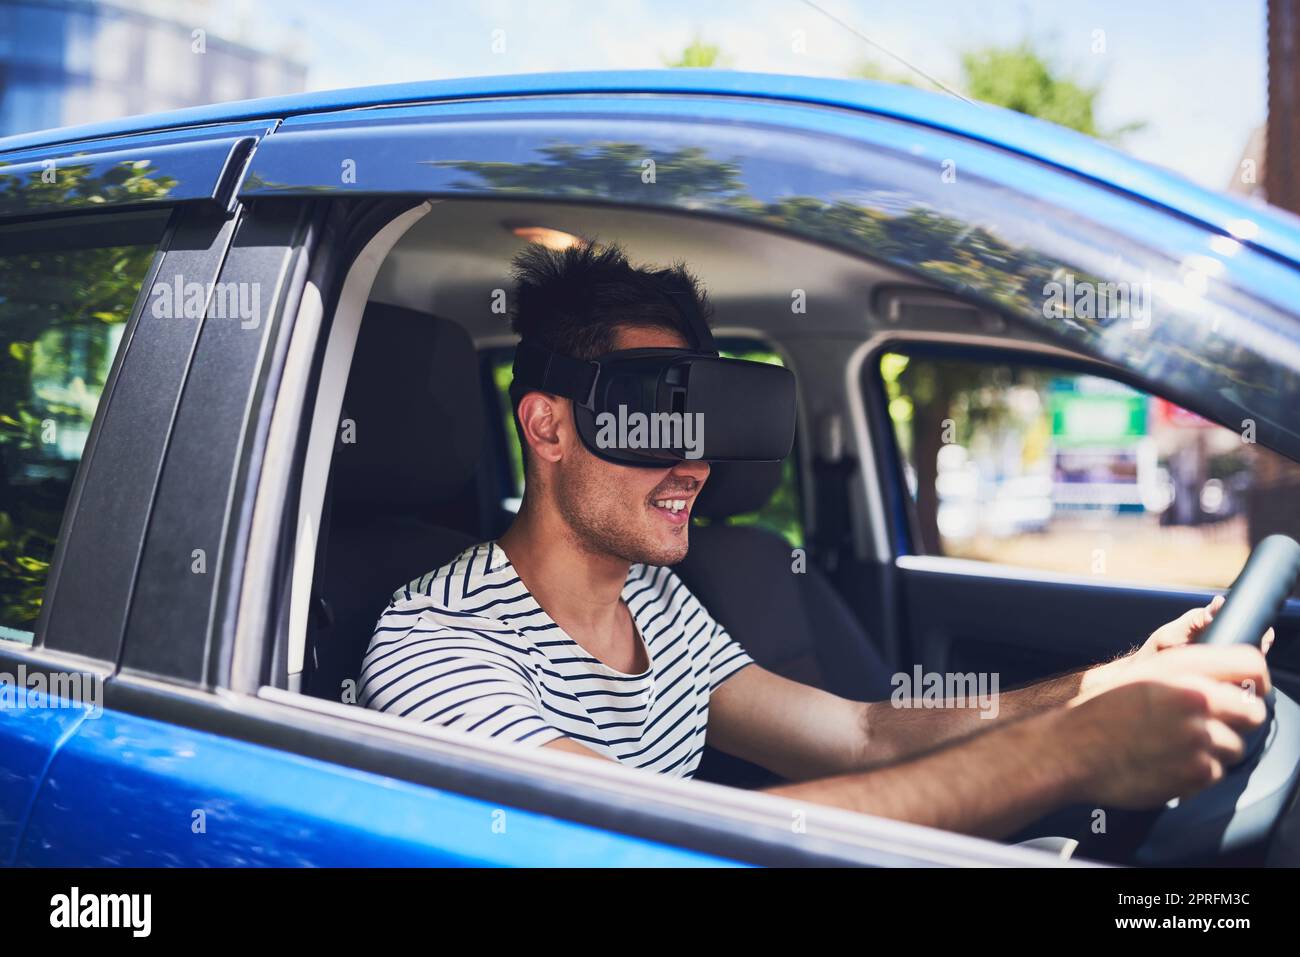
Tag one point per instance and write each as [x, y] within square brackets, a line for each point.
[253, 380]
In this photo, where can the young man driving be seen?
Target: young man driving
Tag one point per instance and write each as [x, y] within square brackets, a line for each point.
[572, 632]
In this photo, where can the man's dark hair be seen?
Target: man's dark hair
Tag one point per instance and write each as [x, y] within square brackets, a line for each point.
[574, 301]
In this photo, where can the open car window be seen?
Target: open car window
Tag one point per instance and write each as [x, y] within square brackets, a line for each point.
[1032, 465]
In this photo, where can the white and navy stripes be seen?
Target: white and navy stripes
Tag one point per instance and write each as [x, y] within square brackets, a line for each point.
[468, 647]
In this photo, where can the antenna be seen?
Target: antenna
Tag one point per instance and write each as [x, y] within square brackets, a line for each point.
[894, 56]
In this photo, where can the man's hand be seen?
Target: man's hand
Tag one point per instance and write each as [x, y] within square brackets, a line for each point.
[1172, 728]
[1182, 631]
[1185, 629]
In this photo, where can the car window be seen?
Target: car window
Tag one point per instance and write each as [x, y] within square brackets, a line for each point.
[65, 294]
[782, 513]
[1060, 471]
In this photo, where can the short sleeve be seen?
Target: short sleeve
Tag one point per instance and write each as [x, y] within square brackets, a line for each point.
[456, 671]
[726, 656]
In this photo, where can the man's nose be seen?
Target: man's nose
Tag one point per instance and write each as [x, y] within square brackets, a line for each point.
[697, 469]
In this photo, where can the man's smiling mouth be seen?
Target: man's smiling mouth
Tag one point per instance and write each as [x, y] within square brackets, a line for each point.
[671, 504]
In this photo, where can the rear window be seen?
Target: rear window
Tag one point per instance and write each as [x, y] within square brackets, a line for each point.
[66, 292]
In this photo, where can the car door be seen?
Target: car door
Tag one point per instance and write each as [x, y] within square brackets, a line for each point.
[199, 756]
[1053, 515]
[88, 384]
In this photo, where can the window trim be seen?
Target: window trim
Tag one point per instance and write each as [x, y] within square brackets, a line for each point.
[307, 402]
[263, 248]
[208, 164]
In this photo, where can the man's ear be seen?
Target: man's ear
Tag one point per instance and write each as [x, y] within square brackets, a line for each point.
[544, 419]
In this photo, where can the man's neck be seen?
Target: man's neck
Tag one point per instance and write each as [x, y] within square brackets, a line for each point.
[578, 588]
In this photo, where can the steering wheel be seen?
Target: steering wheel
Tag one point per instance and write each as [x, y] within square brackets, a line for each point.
[1234, 817]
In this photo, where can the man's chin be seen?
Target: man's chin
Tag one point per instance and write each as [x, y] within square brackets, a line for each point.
[669, 552]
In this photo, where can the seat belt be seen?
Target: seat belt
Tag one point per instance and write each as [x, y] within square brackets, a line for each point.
[321, 615]
[833, 468]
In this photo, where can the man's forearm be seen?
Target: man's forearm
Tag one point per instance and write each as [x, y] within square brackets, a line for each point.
[989, 785]
[897, 730]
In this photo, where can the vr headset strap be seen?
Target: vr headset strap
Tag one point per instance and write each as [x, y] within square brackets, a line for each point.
[538, 368]
[686, 307]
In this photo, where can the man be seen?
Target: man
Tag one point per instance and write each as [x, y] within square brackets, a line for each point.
[571, 632]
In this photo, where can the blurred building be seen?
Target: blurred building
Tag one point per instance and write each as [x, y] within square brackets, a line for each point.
[65, 62]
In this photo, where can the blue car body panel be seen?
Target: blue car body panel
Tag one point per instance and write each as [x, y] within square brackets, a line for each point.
[1266, 228]
[130, 791]
[31, 732]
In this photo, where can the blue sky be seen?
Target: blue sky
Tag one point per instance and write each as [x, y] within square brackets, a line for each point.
[1193, 70]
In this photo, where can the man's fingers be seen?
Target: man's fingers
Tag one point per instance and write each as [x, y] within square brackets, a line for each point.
[1235, 707]
[1267, 641]
[1241, 665]
[1199, 619]
[1189, 623]
[1226, 745]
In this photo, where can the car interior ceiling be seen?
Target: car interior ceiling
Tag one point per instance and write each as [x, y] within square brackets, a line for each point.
[424, 477]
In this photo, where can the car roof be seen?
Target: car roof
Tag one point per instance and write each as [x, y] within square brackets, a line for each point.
[1263, 227]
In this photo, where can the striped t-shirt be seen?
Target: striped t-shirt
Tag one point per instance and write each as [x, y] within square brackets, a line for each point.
[468, 647]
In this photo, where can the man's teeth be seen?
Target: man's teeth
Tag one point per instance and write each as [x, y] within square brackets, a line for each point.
[672, 504]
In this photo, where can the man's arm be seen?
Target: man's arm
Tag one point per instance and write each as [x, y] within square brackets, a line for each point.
[801, 732]
[1134, 746]
[575, 747]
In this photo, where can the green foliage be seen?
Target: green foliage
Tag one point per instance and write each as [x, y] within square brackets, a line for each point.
[871, 70]
[1018, 78]
[502, 376]
[610, 170]
[1021, 79]
[61, 312]
[699, 55]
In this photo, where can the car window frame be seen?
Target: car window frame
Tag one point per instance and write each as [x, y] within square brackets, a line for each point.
[729, 822]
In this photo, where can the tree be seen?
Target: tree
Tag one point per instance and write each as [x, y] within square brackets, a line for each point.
[699, 55]
[58, 309]
[1021, 79]
[1018, 78]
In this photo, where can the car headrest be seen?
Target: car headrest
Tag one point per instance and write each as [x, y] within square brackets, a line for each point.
[734, 488]
[414, 397]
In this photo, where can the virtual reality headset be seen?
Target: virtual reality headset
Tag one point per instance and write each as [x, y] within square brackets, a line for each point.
[656, 407]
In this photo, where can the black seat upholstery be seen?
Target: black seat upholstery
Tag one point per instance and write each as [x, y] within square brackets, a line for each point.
[403, 497]
[794, 624]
